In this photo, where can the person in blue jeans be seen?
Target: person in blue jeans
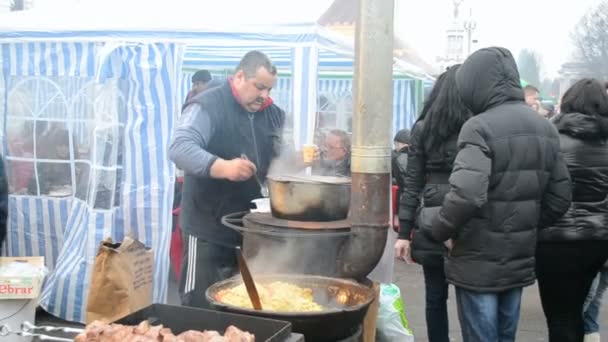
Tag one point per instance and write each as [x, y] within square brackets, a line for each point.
[593, 304]
[508, 179]
[431, 154]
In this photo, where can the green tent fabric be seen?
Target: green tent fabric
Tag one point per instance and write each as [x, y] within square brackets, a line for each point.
[523, 83]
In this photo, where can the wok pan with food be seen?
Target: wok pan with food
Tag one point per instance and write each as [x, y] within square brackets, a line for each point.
[323, 309]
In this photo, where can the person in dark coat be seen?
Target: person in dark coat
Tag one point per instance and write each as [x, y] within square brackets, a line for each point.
[401, 143]
[430, 159]
[508, 179]
[200, 82]
[3, 204]
[399, 158]
[225, 136]
[573, 250]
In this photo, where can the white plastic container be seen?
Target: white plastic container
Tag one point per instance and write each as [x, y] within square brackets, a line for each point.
[262, 205]
[20, 282]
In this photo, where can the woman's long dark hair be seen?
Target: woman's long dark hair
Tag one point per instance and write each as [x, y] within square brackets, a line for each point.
[444, 113]
[432, 96]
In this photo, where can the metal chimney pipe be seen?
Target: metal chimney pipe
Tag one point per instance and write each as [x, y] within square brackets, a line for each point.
[372, 121]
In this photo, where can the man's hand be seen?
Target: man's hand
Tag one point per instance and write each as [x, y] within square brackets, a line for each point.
[449, 244]
[402, 250]
[236, 170]
[317, 156]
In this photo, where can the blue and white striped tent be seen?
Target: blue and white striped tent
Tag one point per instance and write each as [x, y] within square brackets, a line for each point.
[114, 82]
[67, 230]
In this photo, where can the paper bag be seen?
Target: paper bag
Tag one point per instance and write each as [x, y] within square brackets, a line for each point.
[122, 280]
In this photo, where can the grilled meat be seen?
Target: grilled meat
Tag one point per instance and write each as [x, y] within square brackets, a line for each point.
[144, 332]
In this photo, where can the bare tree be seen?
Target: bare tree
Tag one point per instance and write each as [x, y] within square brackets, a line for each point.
[590, 39]
[549, 88]
[529, 64]
[555, 88]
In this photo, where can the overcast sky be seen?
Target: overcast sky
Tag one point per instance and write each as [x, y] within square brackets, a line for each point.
[542, 25]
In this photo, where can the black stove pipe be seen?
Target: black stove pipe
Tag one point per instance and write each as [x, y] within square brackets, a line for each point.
[372, 122]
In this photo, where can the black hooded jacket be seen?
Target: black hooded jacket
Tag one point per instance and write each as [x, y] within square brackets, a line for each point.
[508, 179]
[584, 144]
[398, 169]
[425, 186]
[3, 204]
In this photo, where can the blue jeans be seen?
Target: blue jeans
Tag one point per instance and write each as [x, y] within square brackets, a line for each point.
[488, 317]
[594, 302]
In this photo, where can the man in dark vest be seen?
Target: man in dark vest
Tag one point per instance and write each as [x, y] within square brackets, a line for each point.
[225, 136]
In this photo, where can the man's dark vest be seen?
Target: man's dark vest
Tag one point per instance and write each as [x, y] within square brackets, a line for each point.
[236, 132]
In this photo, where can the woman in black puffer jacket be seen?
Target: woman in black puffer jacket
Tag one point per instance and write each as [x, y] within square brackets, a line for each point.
[572, 251]
[3, 203]
[431, 156]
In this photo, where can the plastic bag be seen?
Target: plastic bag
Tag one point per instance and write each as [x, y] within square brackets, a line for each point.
[392, 324]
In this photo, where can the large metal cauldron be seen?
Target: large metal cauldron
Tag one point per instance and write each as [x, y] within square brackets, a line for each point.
[309, 198]
[346, 304]
[273, 245]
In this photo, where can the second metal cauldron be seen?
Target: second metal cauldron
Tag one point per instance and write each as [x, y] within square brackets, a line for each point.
[309, 198]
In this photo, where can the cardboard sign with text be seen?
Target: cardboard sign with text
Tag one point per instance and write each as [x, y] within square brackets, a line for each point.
[122, 280]
[21, 278]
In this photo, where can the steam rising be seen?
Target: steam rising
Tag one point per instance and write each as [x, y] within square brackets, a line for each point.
[268, 254]
[302, 255]
[285, 163]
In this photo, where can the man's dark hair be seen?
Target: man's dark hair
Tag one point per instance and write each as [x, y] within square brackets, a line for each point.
[201, 76]
[344, 138]
[252, 61]
[587, 96]
[531, 89]
[403, 136]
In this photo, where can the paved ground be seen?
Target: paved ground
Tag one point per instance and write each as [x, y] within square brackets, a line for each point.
[532, 326]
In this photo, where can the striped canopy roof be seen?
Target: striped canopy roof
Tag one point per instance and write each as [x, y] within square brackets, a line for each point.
[214, 38]
[330, 60]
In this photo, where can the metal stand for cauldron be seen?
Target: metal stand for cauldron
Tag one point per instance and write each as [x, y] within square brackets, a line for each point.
[356, 337]
[262, 231]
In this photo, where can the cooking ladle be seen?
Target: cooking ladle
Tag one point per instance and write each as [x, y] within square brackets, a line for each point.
[252, 291]
[263, 187]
